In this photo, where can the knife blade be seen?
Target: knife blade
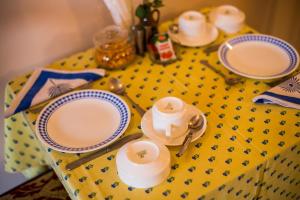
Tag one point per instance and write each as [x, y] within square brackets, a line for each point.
[113, 146]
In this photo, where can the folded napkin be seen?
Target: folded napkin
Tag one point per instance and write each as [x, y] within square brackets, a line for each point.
[44, 84]
[286, 94]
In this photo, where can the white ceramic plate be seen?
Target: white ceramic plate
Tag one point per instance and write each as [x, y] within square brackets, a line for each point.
[201, 40]
[83, 121]
[258, 56]
[148, 130]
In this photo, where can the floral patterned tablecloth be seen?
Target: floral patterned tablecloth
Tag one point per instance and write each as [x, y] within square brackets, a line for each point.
[248, 150]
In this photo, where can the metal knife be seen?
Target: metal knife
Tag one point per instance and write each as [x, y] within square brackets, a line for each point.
[103, 151]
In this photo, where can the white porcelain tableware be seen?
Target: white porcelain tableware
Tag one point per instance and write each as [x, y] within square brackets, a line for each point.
[192, 23]
[150, 132]
[258, 56]
[193, 30]
[168, 116]
[143, 163]
[82, 121]
[227, 18]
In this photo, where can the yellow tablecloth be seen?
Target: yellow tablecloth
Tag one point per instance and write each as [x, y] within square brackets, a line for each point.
[247, 151]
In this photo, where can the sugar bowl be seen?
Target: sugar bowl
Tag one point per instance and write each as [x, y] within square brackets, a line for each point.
[143, 163]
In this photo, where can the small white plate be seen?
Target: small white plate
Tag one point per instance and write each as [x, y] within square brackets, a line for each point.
[258, 56]
[198, 41]
[82, 121]
[148, 130]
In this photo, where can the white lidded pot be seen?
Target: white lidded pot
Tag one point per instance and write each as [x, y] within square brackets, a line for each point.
[143, 163]
[227, 18]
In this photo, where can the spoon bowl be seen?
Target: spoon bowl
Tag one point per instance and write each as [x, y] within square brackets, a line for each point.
[232, 81]
[116, 86]
[174, 28]
[195, 122]
[228, 80]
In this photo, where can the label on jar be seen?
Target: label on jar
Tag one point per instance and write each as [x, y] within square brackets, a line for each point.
[164, 47]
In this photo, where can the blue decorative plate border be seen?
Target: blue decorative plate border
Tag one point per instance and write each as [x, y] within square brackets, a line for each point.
[47, 112]
[287, 48]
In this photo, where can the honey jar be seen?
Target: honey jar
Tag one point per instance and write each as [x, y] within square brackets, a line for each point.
[114, 47]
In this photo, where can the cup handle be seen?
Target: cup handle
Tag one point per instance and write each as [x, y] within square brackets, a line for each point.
[157, 12]
[169, 130]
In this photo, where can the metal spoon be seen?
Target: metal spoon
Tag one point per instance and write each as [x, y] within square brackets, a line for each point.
[117, 87]
[195, 124]
[174, 28]
[228, 80]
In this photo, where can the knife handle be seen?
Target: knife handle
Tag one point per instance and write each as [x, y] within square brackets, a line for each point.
[83, 160]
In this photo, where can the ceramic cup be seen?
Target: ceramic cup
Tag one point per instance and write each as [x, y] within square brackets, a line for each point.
[143, 163]
[228, 18]
[192, 23]
[168, 116]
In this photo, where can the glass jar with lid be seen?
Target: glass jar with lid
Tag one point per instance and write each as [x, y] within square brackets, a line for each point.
[114, 47]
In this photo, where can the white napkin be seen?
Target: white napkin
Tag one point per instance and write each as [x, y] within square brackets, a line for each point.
[44, 84]
[286, 94]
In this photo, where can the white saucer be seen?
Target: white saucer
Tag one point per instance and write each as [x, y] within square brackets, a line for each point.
[197, 41]
[148, 130]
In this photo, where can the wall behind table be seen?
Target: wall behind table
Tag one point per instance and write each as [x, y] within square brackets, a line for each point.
[34, 33]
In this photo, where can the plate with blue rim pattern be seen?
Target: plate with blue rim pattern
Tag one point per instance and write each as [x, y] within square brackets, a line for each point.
[82, 121]
[258, 56]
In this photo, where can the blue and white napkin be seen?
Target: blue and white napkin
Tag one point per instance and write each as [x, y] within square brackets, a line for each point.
[286, 94]
[44, 84]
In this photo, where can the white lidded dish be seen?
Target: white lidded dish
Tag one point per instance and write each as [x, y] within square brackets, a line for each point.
[227, 18]
[143, 163]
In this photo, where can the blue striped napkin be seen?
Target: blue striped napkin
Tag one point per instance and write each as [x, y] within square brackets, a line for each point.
[286, 94]
[44, 84]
